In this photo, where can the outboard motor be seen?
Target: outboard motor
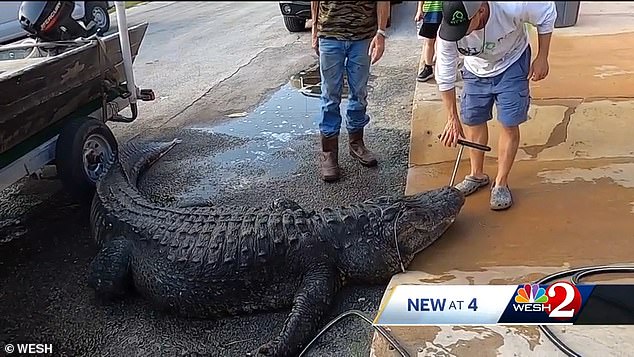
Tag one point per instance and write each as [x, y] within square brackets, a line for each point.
[50, 20]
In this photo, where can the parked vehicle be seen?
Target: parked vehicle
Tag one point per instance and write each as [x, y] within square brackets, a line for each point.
[85, 11]
[297, 13]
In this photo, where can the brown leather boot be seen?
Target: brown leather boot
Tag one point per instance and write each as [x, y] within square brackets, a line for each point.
[359, 151]
[329, 158]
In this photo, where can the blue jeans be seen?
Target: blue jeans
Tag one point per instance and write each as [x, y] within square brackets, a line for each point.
[335, 57]
[509, 91]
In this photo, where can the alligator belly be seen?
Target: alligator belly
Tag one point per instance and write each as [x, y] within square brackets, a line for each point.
[197, 293]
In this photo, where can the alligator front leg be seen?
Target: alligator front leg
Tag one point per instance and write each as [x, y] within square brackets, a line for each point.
[110, 269]
[312, 301]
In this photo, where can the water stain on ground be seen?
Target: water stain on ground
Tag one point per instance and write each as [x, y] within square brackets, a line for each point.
[291, 114]
[577, 213]
[269, 129]
[559, 134]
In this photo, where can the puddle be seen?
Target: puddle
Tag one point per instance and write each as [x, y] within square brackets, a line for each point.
[273, 130]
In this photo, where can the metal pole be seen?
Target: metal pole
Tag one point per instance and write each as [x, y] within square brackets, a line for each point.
[126, 53]
[455, 166]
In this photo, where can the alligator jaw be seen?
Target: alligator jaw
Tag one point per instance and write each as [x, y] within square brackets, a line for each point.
[425, 218]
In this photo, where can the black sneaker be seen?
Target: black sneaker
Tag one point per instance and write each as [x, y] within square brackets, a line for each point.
[425, 74]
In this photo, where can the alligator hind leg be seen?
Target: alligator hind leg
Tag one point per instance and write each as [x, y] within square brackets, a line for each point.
[312, 301]
[110, 269]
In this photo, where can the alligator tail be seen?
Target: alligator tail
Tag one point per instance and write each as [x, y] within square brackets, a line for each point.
[135, 158]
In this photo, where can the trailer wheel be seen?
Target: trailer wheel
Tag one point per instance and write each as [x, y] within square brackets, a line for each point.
[84, 146]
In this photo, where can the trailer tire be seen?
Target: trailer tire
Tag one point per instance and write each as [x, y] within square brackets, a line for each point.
[83, 148]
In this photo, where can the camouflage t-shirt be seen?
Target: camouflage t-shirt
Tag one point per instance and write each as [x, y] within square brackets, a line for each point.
[347, 20]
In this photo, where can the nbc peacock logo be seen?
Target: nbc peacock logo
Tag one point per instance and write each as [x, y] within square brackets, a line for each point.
[531, 298]
[531, 294]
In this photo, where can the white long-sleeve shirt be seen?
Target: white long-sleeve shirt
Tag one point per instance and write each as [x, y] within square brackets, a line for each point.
[504, 39]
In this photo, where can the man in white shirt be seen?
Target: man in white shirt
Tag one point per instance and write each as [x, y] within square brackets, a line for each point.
[494, 39]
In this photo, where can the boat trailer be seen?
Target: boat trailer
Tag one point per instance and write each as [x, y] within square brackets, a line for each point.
[77, 141]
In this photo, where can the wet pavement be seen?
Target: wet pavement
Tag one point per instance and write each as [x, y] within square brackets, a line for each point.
[224, 159]
[272, 130]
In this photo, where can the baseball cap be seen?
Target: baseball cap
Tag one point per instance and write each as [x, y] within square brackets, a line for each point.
[456, 16]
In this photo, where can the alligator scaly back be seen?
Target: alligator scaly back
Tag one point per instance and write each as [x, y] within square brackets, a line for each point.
[213, 261]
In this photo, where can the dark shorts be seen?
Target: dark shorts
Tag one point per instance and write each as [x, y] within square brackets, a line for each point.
[428, 30]
[431, 23]
[509, 91]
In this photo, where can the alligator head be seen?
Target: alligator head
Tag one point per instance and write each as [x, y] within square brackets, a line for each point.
[424, 218]
[409, 225]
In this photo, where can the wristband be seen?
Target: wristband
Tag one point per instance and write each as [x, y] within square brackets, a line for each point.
[381, 32]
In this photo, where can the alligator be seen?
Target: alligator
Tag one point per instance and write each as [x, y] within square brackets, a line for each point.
[212, 262]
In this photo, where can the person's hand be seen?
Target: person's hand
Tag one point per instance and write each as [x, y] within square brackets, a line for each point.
[539, 69]
[453, 132]
[377, 46]
[315, 43]
[418, 16]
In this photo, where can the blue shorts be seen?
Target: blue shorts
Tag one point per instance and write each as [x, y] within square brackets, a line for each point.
[509, 91]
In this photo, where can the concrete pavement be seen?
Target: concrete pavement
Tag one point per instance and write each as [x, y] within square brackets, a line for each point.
[573, 186]
[251, 160]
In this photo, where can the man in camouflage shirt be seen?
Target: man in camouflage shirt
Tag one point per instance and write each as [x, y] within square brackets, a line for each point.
[348, 36]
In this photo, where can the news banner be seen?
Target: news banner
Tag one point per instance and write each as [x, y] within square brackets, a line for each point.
[525, 304]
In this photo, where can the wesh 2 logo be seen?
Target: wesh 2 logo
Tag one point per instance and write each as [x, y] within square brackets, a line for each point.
[561, 300]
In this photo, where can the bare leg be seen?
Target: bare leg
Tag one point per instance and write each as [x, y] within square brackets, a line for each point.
[507, 149]
[428, 52]
[430, 44]
[478, 134]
